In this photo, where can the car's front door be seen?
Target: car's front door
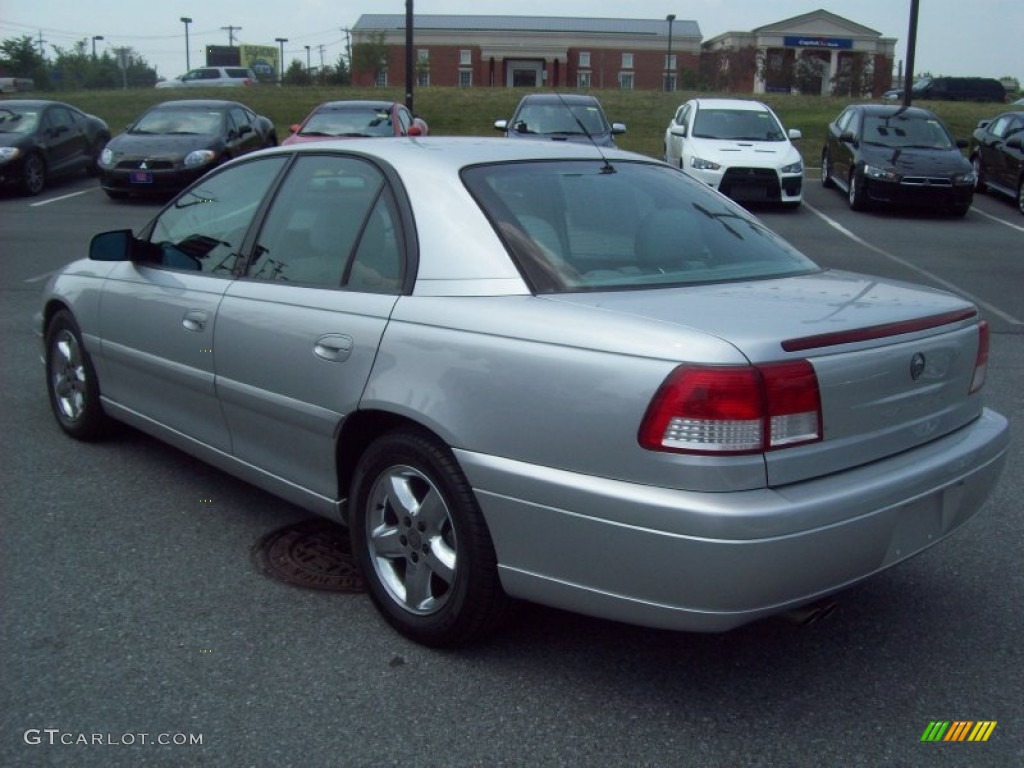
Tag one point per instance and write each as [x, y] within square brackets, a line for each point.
[158, 312]
[66, 142]
[242, 134]
[297, 336]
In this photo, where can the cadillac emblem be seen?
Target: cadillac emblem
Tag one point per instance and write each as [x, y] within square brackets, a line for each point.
[917, 364]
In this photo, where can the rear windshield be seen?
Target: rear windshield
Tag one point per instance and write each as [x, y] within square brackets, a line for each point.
[586, 226]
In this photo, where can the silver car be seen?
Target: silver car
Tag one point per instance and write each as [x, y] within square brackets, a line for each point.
[534, 370]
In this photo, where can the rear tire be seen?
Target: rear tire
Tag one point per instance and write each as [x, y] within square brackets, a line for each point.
[421, 541]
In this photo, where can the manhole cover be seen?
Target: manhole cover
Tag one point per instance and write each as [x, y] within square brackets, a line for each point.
[313, 553]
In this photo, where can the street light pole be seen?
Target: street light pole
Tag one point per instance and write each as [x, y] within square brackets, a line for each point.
[282, 41]
[307, 60]
[668, 58]
[409, 71]
[94, 39]
[186, 21]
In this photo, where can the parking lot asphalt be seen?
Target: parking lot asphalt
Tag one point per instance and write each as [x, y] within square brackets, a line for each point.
[134, 622]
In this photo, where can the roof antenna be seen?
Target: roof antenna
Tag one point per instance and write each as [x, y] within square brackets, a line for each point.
[607, 167]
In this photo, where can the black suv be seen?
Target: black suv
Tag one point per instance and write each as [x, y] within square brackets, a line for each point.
[959, 89]
[897, 155]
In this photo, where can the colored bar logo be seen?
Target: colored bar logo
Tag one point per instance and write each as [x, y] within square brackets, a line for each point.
[958, 730]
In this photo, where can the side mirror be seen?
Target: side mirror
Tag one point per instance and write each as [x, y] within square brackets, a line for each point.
[501, 125]
[294, 127]
[618, 127]
[1015, 143]
[112, 246]
[961, 143]
[847, 137]
[244, 130]
[794, 134]
[677, 130]
[414, 130]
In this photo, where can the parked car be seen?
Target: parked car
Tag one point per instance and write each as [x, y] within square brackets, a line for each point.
[40, 140]
[958, 89]
[357, 119]
[738, 147]
[518, 369]
[887, 154]
[561, 117]
[212, 77]
[174, 143]
[997, 153]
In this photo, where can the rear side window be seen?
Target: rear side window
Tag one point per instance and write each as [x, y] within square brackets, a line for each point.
[332, 224]
[242, 73]
[585, 226]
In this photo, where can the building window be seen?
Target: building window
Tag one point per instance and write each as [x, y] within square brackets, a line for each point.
[465, 78]
[626, 81]
[670, 63]
[584, 61]
[627, 61]
[381, 80]
[582, 79]
[423, 77]
[465, 58]
[424, 55]
[670, 82]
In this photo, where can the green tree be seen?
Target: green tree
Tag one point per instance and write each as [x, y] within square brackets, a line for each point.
[296, 74]
[19, 58]
[371, 56]
[340, 74]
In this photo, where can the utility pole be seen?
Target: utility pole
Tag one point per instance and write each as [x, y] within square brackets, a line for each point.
[281, 41]
[908, 80]
[231, 35]
[408, 55]
[321, 75]
[41, 41]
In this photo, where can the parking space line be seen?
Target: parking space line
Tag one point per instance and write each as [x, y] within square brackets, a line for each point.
[58, 199]
[1001, 221]
[903, 262]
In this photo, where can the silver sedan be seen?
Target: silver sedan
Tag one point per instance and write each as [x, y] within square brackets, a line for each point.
[537, 371]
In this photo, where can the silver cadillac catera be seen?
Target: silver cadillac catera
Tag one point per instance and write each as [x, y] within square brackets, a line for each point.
[534, 370]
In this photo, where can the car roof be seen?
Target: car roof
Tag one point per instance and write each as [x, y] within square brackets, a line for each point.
[35, 103]
[355, 104]
[891, 109]
[559, 98]
[199, 103]
[449, 154]
[737, 104]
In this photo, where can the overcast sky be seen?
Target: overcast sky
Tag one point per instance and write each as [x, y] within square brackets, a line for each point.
[954, 37]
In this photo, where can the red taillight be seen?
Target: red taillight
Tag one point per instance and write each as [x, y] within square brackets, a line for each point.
[981, 361]
[734, 409]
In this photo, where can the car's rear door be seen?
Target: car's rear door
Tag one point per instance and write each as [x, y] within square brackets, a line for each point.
[297, 337]
[158, 313]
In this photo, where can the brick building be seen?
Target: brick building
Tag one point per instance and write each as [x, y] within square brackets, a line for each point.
[814, 53]
[508, 51]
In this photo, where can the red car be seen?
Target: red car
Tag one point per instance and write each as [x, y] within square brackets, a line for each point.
[357, 119]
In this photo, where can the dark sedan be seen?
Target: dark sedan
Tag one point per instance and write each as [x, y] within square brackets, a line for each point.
[561, 117]
[176, 142]
[43, 139]
[892, 155]
[357, 120]
[997, 152]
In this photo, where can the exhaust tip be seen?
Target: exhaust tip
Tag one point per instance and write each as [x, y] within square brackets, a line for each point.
[806, 615]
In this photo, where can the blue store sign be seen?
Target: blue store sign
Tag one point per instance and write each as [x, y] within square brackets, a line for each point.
[817, 42]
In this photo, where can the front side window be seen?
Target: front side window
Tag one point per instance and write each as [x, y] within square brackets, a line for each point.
[587, 226]
[203, 229]
[332, 224]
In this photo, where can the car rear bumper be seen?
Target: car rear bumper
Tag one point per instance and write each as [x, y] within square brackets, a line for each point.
[711, 562]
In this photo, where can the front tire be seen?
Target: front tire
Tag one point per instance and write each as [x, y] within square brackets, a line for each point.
[33, 175]
[71, 380]
[1020, 195]
[421, 541]
[979, 177]
[855, 196]
[826, 172]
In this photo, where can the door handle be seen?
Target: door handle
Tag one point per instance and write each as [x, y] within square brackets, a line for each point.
[333, 347]
[195, 320]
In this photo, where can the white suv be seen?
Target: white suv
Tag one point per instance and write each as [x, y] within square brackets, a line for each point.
[211, 77]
